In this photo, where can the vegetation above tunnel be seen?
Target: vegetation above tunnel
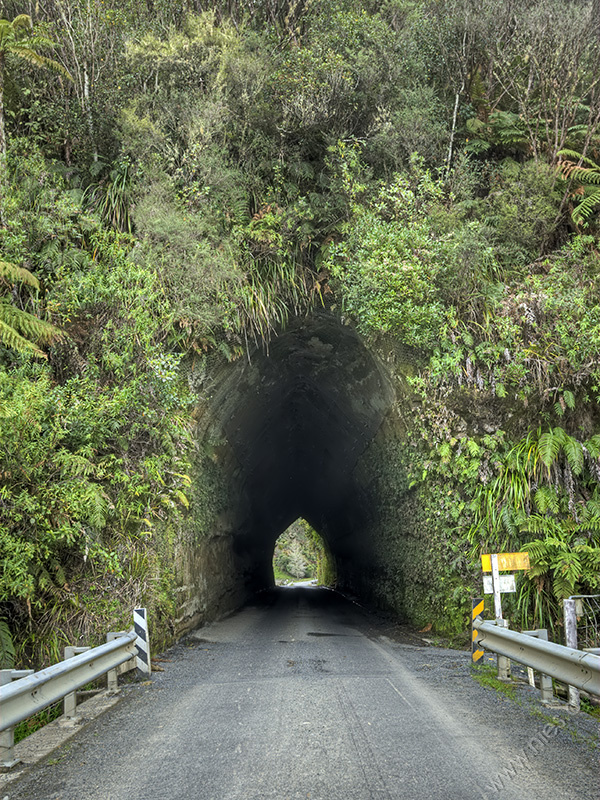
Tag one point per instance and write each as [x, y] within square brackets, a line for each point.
[189, 180]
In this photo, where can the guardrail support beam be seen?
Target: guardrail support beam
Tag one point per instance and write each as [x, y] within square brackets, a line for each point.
[112, 676]
[7, 737]
[503, 662]
[570, 617]
[70, 700]
[546, 687]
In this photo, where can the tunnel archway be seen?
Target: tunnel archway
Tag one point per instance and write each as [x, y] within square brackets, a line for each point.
[297, 419]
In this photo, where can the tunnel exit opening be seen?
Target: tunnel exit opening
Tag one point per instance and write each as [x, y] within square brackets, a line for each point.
[300, 555]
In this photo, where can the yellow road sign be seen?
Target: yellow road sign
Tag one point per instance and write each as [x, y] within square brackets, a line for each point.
[506, 561]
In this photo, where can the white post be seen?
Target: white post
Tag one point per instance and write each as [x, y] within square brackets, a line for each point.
[496, 586]
[570, 617]
[502, 661]
[140, 624]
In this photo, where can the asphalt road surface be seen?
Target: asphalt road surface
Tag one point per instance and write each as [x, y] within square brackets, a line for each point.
[300, 696]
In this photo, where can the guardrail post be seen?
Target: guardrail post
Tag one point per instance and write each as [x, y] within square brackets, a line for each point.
[503, 661]
[546, 688]
[112, 676]
[7, 737]
[70, 700]
[570, 617]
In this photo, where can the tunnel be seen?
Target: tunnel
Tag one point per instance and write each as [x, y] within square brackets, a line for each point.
[296, 418]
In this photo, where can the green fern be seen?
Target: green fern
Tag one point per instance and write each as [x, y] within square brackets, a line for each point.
[95, 505]
[569, 399]
[573, 451]
[566, 568]
[593, 446]
[549, 445]
[587, 180]
[13, 274]
[20, 330]
[547, 490]
[546, 500]
[73, 465]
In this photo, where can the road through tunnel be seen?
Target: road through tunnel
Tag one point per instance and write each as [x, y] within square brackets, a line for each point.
[297, 420]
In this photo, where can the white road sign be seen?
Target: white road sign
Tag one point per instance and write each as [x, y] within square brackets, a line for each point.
[507, 584]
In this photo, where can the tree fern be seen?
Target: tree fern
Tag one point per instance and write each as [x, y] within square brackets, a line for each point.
[20, 330]
[13, 274]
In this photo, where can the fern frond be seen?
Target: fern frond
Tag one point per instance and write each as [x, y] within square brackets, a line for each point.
[574, 452]
[73, 465]
[585, 175]
[574, 157]
[95, 505]
[586, 207]
[549, 447]
[40, 61]
[567, 571]
[13, 274]
[569, 399]
[22, 22]
[26, 324]
[593, 445]
[546, 500]
[10, 338]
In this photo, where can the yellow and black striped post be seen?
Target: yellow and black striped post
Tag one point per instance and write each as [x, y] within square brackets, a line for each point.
[476, 611]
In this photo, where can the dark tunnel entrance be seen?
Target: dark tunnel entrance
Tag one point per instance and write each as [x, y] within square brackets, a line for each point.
[297, 420]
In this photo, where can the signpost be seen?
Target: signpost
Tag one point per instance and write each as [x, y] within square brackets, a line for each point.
[497, 584]
[496, 562]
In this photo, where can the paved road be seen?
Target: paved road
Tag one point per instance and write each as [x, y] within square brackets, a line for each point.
[301, 697]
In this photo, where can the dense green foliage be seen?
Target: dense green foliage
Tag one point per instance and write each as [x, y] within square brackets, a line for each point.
[428, 170]
[295, 555]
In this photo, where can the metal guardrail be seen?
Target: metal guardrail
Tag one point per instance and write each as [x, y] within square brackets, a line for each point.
[566, 664]
[24, 697]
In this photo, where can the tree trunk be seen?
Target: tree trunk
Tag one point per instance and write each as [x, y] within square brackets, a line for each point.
[2, 131]
[87, 110]
[3, 182]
